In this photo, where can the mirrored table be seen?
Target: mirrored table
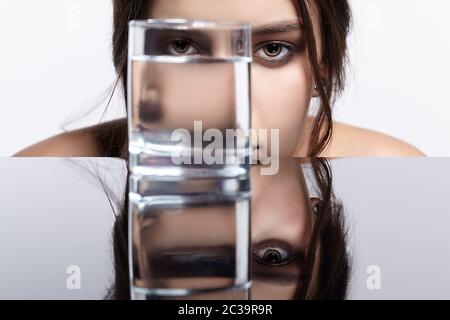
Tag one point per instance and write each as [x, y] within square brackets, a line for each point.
[336, 229]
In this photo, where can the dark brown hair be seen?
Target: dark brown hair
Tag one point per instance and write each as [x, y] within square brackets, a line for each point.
[326, 271]
[334, 17]
[328, 66]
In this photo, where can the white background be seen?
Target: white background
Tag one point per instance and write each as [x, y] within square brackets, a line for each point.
[55, 63]
[399, 222]
[65, 221]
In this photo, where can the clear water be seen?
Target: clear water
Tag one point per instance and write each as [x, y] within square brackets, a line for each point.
[199, 96]
[193, 246]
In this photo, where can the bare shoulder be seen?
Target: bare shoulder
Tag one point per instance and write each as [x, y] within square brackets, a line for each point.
[351, 141]
[78, 143]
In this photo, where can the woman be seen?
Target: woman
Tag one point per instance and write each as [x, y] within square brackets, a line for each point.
[299, 53]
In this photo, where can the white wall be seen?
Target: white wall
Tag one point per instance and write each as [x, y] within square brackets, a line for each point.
[55, 59]
[399, 71]
[66, 221]
[399, 223]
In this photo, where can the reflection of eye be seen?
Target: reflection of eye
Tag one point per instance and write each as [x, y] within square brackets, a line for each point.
[275, 52]
[276, 255]
[182, 47]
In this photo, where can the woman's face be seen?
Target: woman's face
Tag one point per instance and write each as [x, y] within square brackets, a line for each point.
[282, 222]
[282, 82]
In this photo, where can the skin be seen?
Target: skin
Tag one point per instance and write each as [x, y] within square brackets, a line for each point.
[184, 93]
[282, 85]
[286, 195]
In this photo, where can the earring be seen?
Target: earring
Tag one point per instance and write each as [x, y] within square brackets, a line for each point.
[316, 208]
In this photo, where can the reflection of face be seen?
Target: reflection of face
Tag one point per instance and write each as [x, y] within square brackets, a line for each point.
[281, 225]
[281, 77]
[173, 247]
[178, 94]
[195, 247]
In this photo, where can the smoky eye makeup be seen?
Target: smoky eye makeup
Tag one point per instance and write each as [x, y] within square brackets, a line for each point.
[179, 43]
[181, 46]
[273, 253]
[277, 262]
[278, 43]
[276, 52]
[273, 53]
[194, 261]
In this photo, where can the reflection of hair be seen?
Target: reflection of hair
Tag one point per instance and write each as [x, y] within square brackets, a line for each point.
[334, 17]
[325, 273]
[326, 270]
[121, 286]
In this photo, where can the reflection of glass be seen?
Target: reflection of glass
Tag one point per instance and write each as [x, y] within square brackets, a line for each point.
[188, 86]
[298, 236]
[190, 239]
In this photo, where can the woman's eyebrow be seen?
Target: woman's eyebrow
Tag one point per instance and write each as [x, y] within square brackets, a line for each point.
[278, 27]
[278, 278]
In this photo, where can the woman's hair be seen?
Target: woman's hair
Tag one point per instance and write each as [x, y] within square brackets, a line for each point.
[334, 17]
[325, 272]
[328, 66]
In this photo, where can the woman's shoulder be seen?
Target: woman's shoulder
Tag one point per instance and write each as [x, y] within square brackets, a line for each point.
[352, 141]
[110, 139]
[105, 139]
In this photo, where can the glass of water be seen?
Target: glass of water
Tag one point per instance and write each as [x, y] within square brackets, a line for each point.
[189, 98]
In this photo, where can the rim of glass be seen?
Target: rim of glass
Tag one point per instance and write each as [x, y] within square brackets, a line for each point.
[190, 23]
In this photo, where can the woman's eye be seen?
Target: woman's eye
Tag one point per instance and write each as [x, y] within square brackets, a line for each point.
[274, 51]
[273, 256]
[182, 47]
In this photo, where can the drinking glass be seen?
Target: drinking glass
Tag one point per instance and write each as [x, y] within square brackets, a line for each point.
[189, 98]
